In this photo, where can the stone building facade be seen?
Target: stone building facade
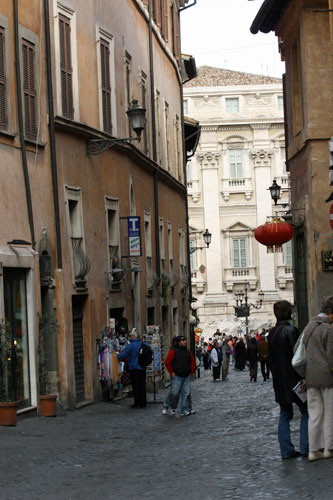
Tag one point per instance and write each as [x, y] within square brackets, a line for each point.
[241, 151]
[64, 242]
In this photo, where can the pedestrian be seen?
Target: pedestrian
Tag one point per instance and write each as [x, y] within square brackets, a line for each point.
[216, 357]
[282, 339]
[137, 373]
[226, 353]
[252, 357]
[205, 356]
[240, 354]
[181, 365]
[318, 339]
[263, 353]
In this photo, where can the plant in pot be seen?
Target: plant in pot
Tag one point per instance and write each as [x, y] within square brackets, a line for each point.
[48, 402]
[7, 408]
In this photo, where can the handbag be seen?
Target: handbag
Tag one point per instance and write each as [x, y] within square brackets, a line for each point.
[299, 359]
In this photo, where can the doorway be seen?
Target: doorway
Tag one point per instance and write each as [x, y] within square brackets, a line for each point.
[78, 348]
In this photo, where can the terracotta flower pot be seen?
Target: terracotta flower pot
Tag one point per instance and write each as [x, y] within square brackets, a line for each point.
[8, 413]
[48, 406]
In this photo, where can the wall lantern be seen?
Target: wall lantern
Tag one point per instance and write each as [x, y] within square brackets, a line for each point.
[137, 119]
[275, 190]
[207, 236]
[273, 234]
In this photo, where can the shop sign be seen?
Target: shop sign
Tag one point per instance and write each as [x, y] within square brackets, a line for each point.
[327, 260]
[134, 236]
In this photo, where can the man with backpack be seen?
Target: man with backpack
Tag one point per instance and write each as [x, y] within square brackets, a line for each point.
[181, 365]
[137, 352]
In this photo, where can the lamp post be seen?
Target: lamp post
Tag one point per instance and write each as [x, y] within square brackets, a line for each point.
[243, 307]
[137, 118]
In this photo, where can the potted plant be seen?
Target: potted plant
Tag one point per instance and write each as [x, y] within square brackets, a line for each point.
[48, 402]
[7, 408]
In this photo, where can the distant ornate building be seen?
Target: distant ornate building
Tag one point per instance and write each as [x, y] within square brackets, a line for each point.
[241, 151]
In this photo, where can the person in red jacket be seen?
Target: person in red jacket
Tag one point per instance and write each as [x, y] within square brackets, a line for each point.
[181, 365]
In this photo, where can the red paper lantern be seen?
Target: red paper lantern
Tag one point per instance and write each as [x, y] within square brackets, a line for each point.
[273, 234]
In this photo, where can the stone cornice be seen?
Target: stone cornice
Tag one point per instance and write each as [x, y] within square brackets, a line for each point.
[226, 128]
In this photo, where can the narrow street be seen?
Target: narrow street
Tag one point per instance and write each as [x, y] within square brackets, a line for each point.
[228, 449]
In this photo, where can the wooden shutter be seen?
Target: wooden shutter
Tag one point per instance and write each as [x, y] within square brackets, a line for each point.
[106, 85]
[175, 31]
[29, 89]
[165, 20]
[157, 6]
[66, 67]
[3, 89]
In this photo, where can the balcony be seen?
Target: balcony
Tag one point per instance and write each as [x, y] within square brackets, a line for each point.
[238, 275]
[237, 186]
[284, 275]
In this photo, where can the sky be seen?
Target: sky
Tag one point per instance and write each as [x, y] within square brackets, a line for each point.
[217, 33]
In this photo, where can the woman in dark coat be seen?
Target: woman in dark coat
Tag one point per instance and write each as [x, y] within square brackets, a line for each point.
[252, 356]
[240, 355]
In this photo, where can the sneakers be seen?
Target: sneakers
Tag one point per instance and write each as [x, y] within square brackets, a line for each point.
[172, 412]
[186, 414]
[315, 455]
[192, 412]
[328, 453]
[164, 411]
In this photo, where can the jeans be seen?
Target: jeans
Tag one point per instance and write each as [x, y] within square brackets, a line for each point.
[180, 386]
[286, 415]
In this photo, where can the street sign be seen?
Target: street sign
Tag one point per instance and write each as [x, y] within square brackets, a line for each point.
[134, 236]
[331, 216]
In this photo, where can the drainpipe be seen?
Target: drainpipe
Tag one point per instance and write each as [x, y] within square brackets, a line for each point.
[187, 218]
[153, 126]
[21, 125]
[52, 132]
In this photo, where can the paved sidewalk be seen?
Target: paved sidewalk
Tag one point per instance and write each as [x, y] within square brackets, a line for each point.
[227, 450]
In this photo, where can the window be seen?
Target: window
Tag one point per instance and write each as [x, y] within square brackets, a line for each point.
[3, 86]
[280, 103]
[175, 31]
[29, 89]
[185, 106]
[192, 255]
[162, 245]
[80, 261]
[66, 76]
[113, 240]
[159, 145]
[167, 136]
[239, 252]
[236, 163]
[128, 89]
[178, 143]
[288, 255]
[144, 102]
[106, 85]
[165, 19]
[232, 104]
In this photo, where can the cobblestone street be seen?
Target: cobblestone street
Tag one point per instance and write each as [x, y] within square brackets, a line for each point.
[228, 449]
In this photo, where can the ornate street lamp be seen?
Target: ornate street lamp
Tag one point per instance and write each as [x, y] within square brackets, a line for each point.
[243, 307]
[275, 190]
[137, 119]
[207, 236]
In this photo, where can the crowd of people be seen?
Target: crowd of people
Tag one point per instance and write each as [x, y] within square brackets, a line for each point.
[222, 350]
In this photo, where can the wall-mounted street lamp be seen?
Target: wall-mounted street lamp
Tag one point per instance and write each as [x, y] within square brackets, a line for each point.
[207, 236]
[137, 118]
[243, 307]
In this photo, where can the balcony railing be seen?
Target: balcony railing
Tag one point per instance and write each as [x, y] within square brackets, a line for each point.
[81, 263]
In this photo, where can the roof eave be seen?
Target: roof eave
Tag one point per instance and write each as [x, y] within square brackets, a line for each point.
[268, 16]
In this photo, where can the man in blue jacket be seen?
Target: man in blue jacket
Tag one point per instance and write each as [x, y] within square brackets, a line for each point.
[138, 374]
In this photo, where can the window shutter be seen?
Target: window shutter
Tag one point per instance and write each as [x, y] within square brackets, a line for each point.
[157, 6]
[175, 34]
[165, 20]
[66, 67]
[29, 89]
[3, 90]
[106, 85]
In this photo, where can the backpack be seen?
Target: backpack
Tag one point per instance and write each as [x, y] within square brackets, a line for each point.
[145, 356]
